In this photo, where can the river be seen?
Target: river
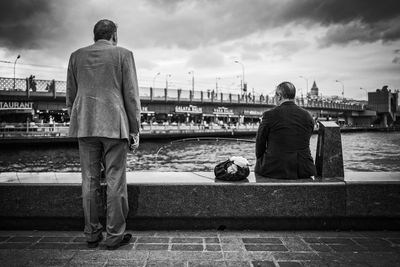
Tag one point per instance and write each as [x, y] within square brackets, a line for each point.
[369, 151]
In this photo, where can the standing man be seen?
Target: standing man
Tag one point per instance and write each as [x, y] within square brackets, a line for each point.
[283, 139]
[104, 106]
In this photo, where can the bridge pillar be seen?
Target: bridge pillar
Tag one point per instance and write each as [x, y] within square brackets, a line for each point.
[329, 158]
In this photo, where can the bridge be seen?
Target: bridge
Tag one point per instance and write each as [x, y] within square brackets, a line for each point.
[42, 104]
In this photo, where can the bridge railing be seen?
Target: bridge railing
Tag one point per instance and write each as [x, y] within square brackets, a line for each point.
[156, 94]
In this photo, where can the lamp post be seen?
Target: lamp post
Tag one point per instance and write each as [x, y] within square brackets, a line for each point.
[192, 72]
[243, 85]
[15, 63]
[216, 84]
[342, 88]
[166, 80]
[154, 79]
[366, 92]
[306, 79]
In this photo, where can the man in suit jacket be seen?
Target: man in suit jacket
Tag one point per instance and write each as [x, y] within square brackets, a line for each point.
[104, 105]
[283, 139]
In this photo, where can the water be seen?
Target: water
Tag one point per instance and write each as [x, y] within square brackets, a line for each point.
[375, 151]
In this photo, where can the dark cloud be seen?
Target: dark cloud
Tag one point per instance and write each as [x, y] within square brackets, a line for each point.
[23, 23]
[346, 21]
[192, 24]
[396, 60]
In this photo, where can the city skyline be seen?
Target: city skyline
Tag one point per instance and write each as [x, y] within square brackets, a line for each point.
[354, 42]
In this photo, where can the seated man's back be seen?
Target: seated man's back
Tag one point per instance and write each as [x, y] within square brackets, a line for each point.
[283, 139]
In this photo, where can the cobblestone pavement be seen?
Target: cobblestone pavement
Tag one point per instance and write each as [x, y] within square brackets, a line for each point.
[205, 248]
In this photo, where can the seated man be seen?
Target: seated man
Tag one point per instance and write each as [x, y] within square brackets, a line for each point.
[283, 139]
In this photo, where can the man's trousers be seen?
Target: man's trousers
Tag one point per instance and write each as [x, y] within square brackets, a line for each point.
[94, 151]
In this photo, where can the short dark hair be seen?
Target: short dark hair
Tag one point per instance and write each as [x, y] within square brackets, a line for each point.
[287, 90]
[104, 29]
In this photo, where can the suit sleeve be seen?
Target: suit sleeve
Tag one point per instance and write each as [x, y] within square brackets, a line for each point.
[72, 86]
[130, 91]
[262, 136]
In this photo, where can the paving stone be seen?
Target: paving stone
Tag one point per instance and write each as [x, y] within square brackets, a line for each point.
[263, 240]
[379, 234]
[361, 258]
[394, 240]
[201, 233]
[238, 264]
[80, 263]
[14, 245]
[312, 240]
[185, 255]
[232, 244]
[265, 247]
[320, 247]
[93, 255]
[187, 247]
[206, 264]
[295, 244]
[263, 263]
[346, 248]
[342, 241]
[56, 239]
[212, 240]
[329, 234]
[213, 247]
[166, 264]
[4, 238]
[79, 239]
[295, 256]
[118, 262]
[289, 264]
[47, 245]
[187, 240]
[151, 247]
[154, 240]
[45, 262]
[78, 246]
[30, 239]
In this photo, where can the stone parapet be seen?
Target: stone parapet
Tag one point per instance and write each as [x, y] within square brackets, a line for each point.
[179, 200]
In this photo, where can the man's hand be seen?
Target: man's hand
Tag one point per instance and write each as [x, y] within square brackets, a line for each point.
[134, 141]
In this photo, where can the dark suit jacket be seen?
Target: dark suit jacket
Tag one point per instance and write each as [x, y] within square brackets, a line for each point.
[283, 143]
[102, 92]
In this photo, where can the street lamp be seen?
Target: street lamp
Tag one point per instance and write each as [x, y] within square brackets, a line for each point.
[216, 84]
[238, 62]
[192, 72]
[166, 80]
[15, 63]
[342, 88]
[306, 83]
[154, 79]
[365, 91]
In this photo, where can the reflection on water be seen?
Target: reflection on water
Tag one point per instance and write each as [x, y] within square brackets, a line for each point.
[362, 152]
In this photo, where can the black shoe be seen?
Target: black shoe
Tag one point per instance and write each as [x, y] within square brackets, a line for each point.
[94, 244]
[125, 241]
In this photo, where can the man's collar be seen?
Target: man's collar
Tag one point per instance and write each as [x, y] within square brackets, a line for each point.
[287, 102]
[103, 41]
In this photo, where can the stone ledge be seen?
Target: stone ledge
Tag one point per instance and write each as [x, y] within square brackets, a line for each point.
[196, 200]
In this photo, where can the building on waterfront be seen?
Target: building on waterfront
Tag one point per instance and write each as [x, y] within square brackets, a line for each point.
[386, 104]
[314, 91]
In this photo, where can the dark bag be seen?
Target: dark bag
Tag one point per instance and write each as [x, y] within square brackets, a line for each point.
[221, 172]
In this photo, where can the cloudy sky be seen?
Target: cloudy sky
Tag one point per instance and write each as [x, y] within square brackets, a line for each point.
[354, 41]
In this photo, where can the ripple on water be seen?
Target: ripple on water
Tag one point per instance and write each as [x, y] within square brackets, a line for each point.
[361, 152]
